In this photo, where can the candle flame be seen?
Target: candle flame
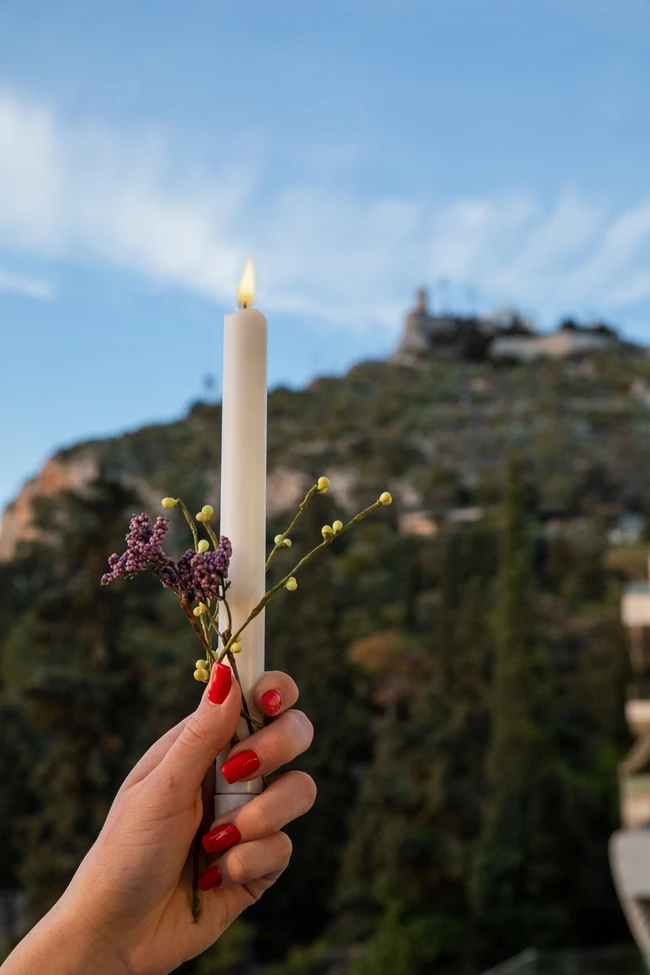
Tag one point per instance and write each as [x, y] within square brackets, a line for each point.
[246, 289]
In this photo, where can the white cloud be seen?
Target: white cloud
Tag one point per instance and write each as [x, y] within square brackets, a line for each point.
[572, 256]
[23, 284]
[86, 193]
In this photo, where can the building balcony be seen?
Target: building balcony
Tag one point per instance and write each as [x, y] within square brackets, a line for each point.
[634, 793]
[637, 715]
[635, 608]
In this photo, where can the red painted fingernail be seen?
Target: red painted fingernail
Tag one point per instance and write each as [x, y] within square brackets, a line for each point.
[221, 838]
[272, 701]
[220, 682]
[209, 878]
[240, 766]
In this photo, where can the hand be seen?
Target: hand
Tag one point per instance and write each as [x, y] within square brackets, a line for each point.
[128, 907]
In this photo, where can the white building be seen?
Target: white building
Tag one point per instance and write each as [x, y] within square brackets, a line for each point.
[556, 345]
[630, 846]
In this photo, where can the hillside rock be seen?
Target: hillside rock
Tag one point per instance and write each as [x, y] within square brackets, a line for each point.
[63, 472]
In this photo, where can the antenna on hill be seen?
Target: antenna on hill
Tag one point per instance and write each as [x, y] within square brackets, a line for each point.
[210, 390]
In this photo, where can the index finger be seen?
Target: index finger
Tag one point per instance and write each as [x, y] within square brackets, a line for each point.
[274, 693]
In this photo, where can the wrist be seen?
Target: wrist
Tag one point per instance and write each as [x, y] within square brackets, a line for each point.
[65, 942]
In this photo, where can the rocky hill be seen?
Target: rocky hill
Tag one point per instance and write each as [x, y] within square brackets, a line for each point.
[436, 432]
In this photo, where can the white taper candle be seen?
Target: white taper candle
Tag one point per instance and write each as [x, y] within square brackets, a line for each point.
[243, 501]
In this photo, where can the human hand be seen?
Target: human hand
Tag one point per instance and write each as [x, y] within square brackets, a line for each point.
[128, 907]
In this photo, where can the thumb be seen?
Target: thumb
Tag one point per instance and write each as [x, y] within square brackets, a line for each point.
[205, 733]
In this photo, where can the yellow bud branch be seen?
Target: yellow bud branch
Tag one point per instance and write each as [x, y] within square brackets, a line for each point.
[282, 584]
[279, 539]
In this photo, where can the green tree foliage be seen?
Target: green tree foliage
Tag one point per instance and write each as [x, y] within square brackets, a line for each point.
[17, 801]
[545, 801]
[72, 657]
[405, 868]
[408, 944]
[516, 865]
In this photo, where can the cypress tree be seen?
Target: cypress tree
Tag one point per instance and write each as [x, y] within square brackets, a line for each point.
[515, 866]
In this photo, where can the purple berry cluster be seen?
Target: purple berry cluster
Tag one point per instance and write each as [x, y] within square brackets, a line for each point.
[197, 575]
[144, 543]
[202, 574]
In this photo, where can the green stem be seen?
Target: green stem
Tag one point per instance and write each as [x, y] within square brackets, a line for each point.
[245, 711]
[189, 612]
[229, 615]
[213, 537]
[247, 717]
[188, 518]
[301, 507]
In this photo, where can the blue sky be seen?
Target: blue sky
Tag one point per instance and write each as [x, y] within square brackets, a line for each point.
[355, 149]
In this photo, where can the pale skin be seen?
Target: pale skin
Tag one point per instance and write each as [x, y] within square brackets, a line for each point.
[127, 910]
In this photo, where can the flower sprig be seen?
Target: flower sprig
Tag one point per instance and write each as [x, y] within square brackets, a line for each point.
[200, 581]
[200, 577]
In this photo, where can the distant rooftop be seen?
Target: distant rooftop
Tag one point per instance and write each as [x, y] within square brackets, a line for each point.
[503, 334]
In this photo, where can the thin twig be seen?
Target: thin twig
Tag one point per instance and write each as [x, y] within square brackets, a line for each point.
[229, 615]
[266, 598]
[189, 612]
[247, 717]
[301, 507]
[188, 518]
[246, 713]
[213, 537]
